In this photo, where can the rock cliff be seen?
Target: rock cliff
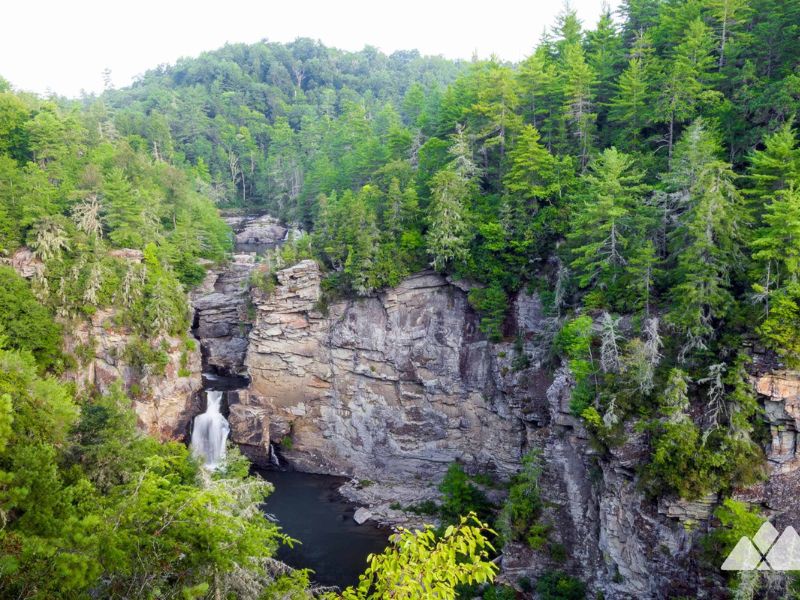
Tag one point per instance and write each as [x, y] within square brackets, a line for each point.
[394, 387]
[165, 399]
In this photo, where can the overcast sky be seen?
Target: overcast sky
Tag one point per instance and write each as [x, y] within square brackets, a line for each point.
[64, 46]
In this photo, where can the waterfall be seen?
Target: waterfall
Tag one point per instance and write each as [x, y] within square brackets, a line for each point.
[273, 456]
[210, 432]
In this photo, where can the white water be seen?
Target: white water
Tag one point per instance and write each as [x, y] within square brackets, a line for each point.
[210, 432]
[273, 456]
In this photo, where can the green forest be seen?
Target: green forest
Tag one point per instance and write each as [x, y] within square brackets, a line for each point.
[642, 174]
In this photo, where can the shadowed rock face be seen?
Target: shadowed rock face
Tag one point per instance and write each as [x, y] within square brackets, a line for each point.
[221, 320]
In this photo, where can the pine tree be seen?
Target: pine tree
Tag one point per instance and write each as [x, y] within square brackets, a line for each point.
[607, 220]
[538, 93]
[578, 81]
[630, 108]
[533, 173]
[123, 211]
[776, 250]
[729, 16]
[493, 116]
[449, 232]
[706, 242]
[605, 55]
[685, 81]
[774, 168]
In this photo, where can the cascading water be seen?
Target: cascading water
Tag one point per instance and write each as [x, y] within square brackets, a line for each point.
[210, 432]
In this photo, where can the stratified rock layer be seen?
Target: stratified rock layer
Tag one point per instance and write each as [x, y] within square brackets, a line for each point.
[392, 386]
[221, 320]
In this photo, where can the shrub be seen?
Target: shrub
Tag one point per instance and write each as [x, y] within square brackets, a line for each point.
[521, 511]
[460, 496]
[556, 585]
[492, 303]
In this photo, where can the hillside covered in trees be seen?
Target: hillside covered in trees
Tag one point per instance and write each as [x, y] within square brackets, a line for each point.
[646, 168]
[642, 174]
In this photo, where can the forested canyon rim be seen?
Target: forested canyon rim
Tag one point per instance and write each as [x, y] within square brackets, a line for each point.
[560, 295]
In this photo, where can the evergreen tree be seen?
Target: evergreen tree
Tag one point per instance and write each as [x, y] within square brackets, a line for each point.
[578, 81]
[684, 86]
[706, 241]
[608, 221]
[630, 108]
[449, 231]
[123, 211]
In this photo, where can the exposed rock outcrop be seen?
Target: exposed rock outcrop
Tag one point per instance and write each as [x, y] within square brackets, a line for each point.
[261, 231]
[393, 386]
[780, 392]
[164, 399]
[221, 322]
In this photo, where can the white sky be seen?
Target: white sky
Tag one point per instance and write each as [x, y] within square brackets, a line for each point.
[63, 46]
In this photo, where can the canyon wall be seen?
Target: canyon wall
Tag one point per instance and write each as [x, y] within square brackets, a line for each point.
[165, 399]
[392, 388]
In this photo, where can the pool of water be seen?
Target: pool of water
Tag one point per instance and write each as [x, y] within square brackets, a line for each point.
[309, 508]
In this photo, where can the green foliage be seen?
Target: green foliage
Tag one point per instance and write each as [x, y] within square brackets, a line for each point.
[574, 341]
[145, 358]
[263, 280]
[500, 592]
[556, 585]
[691, 462]
[736, 520]
[609, 225]
[518, 519]
[492, 303]
[25, 324]
[460, 496]
[91, 506]
[420, 565]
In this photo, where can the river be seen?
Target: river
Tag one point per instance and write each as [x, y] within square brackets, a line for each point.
[309, 508]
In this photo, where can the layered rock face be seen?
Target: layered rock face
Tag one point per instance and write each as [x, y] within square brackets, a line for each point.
[165, 401]
[221, 320]
[222, 303]
[253, 233]
[395, 386]
[780, 391]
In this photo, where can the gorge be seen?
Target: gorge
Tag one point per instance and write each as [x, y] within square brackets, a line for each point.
[550, 307]
[393, 388]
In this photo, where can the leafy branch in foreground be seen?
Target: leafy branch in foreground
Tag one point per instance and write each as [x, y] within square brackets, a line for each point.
[419, 565]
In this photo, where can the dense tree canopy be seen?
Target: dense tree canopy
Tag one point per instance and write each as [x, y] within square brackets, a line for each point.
[643, 177]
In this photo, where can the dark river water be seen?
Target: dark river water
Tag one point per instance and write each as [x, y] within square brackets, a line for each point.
[309, 509]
